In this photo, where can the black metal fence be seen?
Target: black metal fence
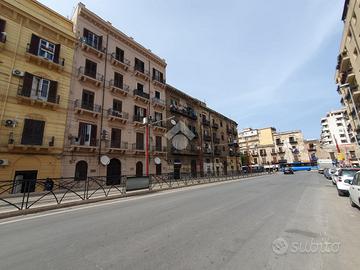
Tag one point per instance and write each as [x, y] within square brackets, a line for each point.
[30, 193]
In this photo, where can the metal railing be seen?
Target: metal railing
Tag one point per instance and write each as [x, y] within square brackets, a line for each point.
[96, 76]
[60, 61]
[30, 140]
[112, 112]
[158, 101]
[141, 93]
[141, 70]
[119, 145]
[123, 60]
[92, 44]
[185, 111]
[79, 104]
[139, 147]
[27, 94]
[122, 86]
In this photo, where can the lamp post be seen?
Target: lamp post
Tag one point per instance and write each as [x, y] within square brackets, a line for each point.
[148, 122]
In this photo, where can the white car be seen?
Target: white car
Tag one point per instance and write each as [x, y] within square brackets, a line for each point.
[335, 175]
[343, 180]
[354, 191]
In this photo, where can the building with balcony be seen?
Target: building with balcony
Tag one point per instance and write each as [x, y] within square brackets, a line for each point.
[117, 82]
[210, 148]
[334, 129]
[36, 52]
[348, 68]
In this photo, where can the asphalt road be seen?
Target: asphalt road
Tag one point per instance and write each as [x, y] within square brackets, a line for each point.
[270, 222]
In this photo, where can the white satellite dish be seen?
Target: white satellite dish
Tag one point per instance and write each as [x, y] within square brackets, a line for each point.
[157, 161]
[105, 160]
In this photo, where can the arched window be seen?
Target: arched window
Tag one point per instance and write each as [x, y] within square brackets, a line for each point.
[81, 169]
[139, 168]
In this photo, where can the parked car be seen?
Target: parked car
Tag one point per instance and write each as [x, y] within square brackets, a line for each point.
[288, 170]
[335, 175]
[354, 191]
[345, 177]
[328, 172]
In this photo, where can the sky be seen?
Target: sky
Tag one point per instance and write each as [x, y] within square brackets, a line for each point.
[262, 63]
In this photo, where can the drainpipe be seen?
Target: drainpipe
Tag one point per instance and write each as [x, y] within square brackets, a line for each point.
[103, 97]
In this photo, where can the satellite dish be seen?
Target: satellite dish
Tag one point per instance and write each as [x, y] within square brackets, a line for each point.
[105, 160]
[173, 122]
[157, 161]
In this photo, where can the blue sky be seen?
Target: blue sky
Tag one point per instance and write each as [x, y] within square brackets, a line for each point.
[262, 63]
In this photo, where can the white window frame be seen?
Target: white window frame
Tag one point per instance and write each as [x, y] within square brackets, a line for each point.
[46, 49]
[40, 88]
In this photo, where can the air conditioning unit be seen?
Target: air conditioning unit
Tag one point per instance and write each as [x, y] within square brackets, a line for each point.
[4, 162]
[10, 123]
[17, 72]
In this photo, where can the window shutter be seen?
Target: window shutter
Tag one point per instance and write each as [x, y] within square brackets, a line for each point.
[2, 25]
[100, 48]
[27, 84]
[52, 96]
[38, 132]
[93, 135]
[33, 132]
[57, 53]
[86, 33]
[34, 44]
[82, 133]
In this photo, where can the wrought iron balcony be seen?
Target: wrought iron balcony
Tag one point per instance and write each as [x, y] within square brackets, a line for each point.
[29, 142]
[118, 146]
[141, 95]
[85, 107]
[86, 75]
[89, 45]
[159, 82]
[141, 73]
[137, 147]
[25, 95]
[114, 115]
[157, 102]
[57, 64]
[119, 88]
[116, 61]
[185, 111]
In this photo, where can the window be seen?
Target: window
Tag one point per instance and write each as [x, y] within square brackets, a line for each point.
[157, 94]
[139, 65]
[33, 132]
[117, 105]
[87, 101]
[140, 111]
[140, 87]
[90, 68]
[115, 138]
[339, 124]
[264, 160]
[119, 54]
[46, 49]
[157, 75]
[92, 40]
[343, 141]
[173, 102]
[158, 143]
[355, 53]
[87, 134]
[39, 88]
[352, 154]
[221, 124]
[81, 169]
[222, 137]
[2, 31]
[158, 116]
[118, 80]
[139, 141]
[342, 136]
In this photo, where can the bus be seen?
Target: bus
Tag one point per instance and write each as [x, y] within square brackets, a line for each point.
[300, 166]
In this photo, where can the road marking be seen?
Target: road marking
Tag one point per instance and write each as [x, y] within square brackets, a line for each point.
[120, 200]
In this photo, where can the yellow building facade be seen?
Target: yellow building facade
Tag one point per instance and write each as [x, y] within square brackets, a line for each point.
[36, 55]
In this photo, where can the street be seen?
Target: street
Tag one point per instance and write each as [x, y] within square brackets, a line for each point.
[256, 223]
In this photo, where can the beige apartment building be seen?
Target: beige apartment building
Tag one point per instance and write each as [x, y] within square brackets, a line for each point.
[266, 146]
[116, 83]
[211, 148]
[348, 68]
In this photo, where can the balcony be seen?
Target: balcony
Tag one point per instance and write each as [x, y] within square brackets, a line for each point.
[159, 150]
[45, 102]
[138, 120]
[278, 142]
[118, 147]
[158, 82]
[117, 88]
[138, 148]
[216, 140]
[293, 141]
[42, 61]
[35, 144]
[263, 153]
[215, 125]
[185, 111]
[281, 151]
[84, 108]
[141, 73]
[160, 126]
[91, 77]
[89, 46]
[255, 154]
[190, 150]
[207, 138]
[122, 63]
[140, 95]
[205, 121]
[2, 39]
[120, 117]
[158, 103]
[79, 144]
[343, 62]
[273, 152]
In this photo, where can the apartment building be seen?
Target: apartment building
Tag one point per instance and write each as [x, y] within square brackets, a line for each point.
[266, 146]
[334, 128]
[210, 148]
[116, 83]
[348, 68]
[36, 54]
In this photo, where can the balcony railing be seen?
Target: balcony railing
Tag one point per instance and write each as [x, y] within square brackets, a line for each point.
[123, 63]
[119, 87]
[118, 145]
[215, 125]
[138, 147]
[94, 77]
[117, 114]
[293, 141]
[185, 111]
[190, 150]
[142, 73]
[138, 118]
[159, 148]
[31, 142]
[91, 46]
[83, 143]
[51, 100]
[141, 93]
[91, 107]
[58, 63]
[158, 102]
[279, 142]
[205, 122]
[158, 81]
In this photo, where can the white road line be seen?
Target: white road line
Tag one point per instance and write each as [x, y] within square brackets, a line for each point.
[120, 200]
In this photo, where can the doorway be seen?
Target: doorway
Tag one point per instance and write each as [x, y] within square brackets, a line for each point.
[113, 172]
[24, 181]
[177, 167]
[193, 168]
[139, 169]
[81, 169]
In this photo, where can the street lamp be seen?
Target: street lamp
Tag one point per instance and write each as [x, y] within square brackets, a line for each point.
[148, 121]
